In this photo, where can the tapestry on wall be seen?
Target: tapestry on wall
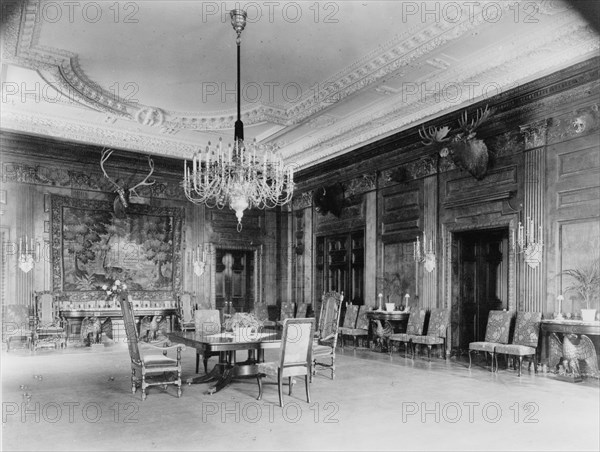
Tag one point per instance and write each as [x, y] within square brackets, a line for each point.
[92, 248]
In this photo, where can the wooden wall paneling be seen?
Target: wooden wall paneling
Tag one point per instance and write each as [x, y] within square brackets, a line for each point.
[573, 209]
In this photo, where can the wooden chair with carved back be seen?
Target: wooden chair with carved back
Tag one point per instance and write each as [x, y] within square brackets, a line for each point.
[147, 368]
[326, 342]
[185, 311]
[48, 331]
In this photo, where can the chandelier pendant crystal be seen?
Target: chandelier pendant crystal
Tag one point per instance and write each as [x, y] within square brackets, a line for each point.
[243, 176]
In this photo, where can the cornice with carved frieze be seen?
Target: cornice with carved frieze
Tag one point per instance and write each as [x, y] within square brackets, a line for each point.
[58, 176]
[302, 200]
[372, 125]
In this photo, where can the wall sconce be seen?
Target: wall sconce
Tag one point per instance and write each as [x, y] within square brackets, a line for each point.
[527, 244]
[26, 254]
[424, 254]
[199, 265]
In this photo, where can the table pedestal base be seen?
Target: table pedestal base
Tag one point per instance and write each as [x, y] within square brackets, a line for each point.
[225, 372]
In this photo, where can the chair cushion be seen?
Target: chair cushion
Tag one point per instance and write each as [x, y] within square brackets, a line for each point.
[50, 330]
[427, 340]
[269, 368]
[353, 331]
[515, 349]
[402, 337]
[483, 346]
[158, 361]
[320, 350]
[19, 332]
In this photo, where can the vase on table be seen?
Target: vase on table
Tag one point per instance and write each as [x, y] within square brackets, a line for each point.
[588, 315]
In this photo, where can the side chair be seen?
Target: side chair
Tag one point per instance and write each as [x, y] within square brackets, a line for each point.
[349, 323]
[295, 357]
[525, 339]
[437, 330]
[286, 312]
[416, 323]
[262, 313]
[16, 324]
[496, 332]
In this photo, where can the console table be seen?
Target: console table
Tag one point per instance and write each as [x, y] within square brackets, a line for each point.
[397, 320]
[75, 316]
[564, 327]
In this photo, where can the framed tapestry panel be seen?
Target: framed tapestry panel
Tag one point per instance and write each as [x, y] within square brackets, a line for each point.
[92, 248]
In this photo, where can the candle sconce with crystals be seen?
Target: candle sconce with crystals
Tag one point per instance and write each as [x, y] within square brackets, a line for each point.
[198, 264]
[424, 254]
[527, 244]
[26, 254]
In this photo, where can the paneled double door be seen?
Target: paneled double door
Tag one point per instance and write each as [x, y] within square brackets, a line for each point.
[234, 285]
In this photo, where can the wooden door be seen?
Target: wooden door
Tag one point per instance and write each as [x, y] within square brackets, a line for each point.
[483, 281]
[234, 283]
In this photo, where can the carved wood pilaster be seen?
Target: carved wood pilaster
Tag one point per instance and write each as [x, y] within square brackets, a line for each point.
[533, 287]
[535, 134]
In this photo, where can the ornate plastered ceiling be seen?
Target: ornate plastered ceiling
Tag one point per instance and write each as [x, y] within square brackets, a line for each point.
[319, 79]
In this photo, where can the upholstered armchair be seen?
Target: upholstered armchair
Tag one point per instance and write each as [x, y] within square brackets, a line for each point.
[148, 368]
[16, 324]
[496, 332]
[416, 323]
[295, 357]
[437, 330]
[525, 339]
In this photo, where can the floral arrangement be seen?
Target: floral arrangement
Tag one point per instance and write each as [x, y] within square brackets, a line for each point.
[116, 289]
[241, 320]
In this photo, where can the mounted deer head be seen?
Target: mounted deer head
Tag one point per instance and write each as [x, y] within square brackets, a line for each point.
[121, 202]
[464, 149]
[329, 199]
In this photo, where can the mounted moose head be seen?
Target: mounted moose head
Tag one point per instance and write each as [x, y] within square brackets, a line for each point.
[464, 149]
[329, 199]
[121, 202]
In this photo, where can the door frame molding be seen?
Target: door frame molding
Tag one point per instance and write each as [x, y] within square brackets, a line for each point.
[448, 236]
[258, 264]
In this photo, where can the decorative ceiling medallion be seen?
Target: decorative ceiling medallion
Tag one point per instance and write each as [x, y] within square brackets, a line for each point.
[382, 61]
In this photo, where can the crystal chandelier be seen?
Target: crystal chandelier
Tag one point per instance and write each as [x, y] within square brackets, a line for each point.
[242, 176]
